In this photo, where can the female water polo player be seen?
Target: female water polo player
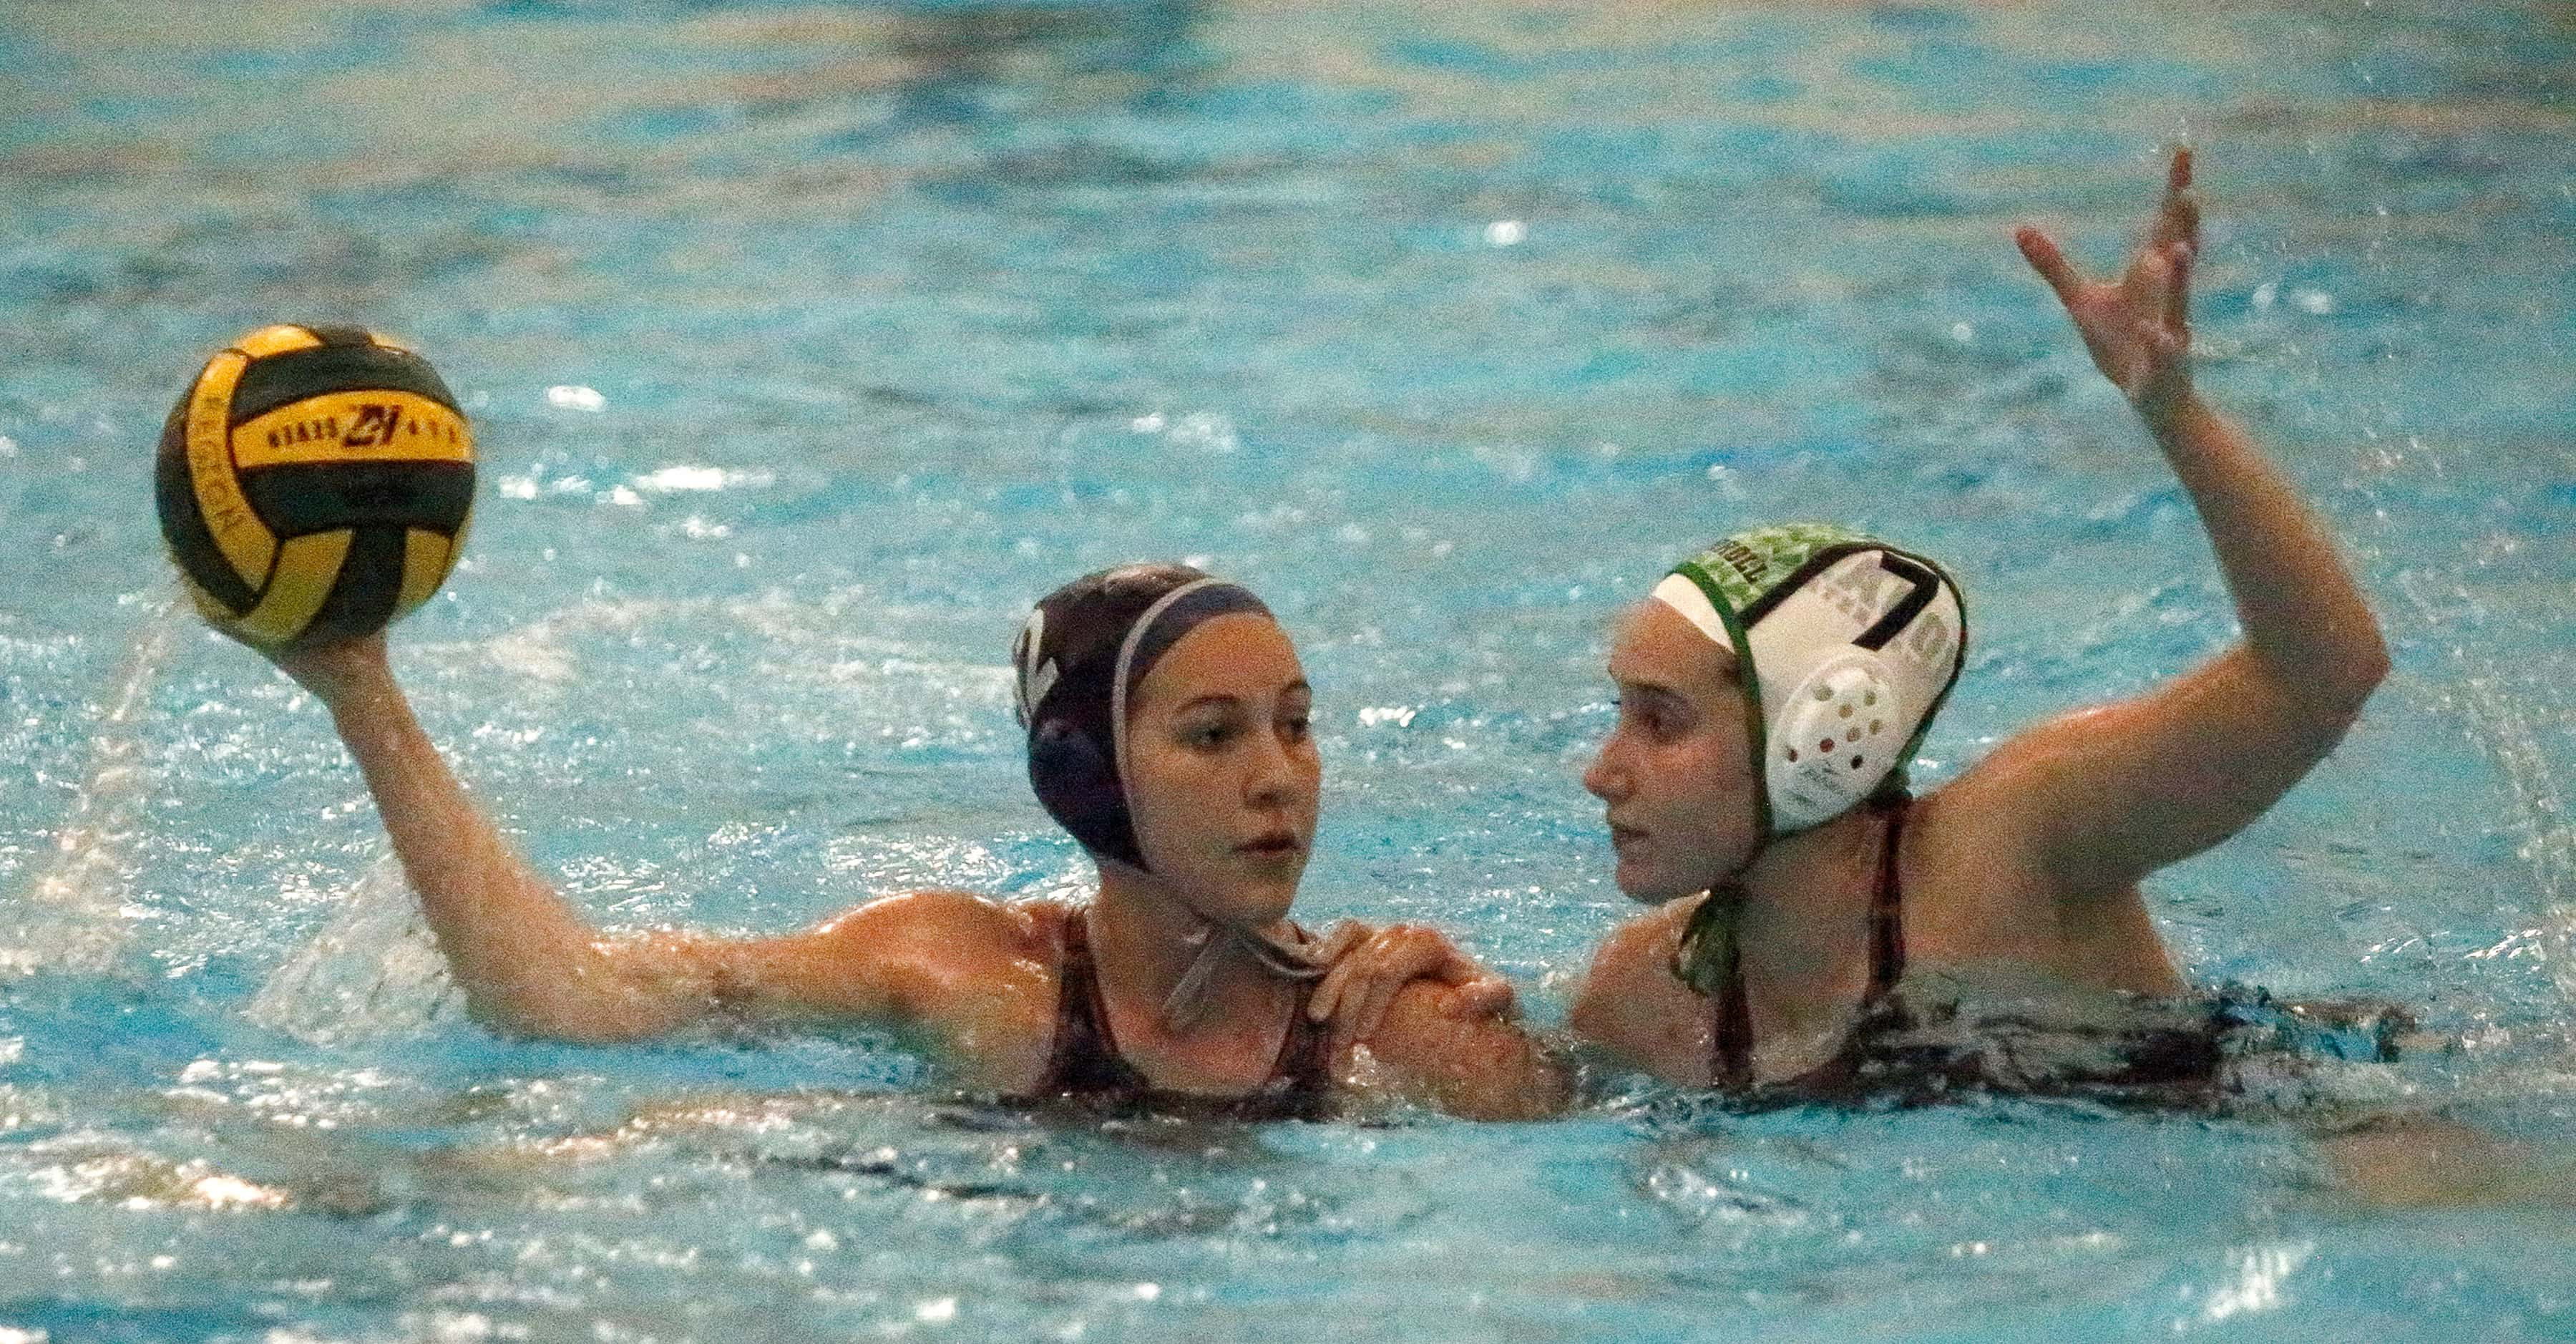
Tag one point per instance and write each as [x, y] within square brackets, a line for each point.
[1167, 726]
[1773, 689]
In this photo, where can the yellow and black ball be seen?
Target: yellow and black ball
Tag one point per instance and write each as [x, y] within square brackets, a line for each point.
[314, 484]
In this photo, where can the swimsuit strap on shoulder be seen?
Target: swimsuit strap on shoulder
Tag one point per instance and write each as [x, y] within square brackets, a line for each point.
[1887, 909]
[1083, 1060]
[1073, 975]
[1731, 1037]
[1732, 1048]
[1730, 1063]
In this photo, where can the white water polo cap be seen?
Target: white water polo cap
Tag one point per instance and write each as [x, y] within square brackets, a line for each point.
[1846, 647]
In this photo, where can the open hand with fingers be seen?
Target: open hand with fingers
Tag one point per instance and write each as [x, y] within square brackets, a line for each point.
[1369, 967]
[2138, 326]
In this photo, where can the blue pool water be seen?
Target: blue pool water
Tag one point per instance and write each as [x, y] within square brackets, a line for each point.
[808, 344]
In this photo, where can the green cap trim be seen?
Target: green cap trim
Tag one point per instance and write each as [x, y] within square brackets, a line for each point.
[1756, 726]
[1747, 567]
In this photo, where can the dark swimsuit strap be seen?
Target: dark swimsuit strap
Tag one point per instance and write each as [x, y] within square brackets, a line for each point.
[1731, 1046]
[1084, 1059]
[1886, 911]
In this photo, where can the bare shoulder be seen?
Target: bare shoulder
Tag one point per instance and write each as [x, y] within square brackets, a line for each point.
[1977, 889]
[960, 921]
[1632, 1004]
[1469, 1064]
[1655, 933]
[1638, 955]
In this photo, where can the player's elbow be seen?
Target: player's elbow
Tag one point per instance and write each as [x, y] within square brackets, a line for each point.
[2324, 685]
[2342, 687]
[2363, 661]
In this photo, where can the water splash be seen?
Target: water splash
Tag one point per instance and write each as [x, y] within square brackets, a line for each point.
[2510, 715]
[372, 972]
[81, 910]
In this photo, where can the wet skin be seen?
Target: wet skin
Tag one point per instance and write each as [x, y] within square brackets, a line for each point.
[2032, 857]
[1676, 774]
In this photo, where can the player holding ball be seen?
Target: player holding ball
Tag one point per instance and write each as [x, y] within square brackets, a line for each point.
[313, 484]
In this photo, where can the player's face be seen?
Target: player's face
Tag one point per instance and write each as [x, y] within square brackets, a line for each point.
[1222, 772]
[1676, 774]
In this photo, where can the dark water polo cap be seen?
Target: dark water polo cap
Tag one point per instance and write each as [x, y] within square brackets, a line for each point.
[1085, 649]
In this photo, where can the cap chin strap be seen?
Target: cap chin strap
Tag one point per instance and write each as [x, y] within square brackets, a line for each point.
[1283, 950]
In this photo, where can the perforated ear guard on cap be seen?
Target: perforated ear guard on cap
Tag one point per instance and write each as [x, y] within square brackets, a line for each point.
[1831, 742]
[1846, 646]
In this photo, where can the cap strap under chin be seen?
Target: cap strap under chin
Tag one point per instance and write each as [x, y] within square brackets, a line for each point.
[1289, 956]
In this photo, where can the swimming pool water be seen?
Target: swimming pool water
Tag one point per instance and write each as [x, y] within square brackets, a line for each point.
[807, 344]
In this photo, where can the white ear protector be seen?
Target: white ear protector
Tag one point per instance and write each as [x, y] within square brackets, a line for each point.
[1832, 741]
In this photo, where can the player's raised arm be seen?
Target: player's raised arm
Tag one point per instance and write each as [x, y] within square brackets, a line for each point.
[527, 963]
[2112, 794]
[313, 482]
[948, 963]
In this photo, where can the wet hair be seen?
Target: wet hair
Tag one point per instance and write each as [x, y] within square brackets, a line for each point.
[1078, 661]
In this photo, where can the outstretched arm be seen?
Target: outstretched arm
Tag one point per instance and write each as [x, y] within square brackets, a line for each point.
[530, 965]
[2115, 793]
[527, 963]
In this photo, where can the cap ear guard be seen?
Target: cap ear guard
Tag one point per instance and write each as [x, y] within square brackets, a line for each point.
[1858, 646]
[1831, 743]
[1078, 786]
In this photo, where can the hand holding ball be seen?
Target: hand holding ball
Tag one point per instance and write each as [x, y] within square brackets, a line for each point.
[314, 484]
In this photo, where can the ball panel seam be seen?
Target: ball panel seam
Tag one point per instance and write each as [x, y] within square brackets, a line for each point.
[247, 544]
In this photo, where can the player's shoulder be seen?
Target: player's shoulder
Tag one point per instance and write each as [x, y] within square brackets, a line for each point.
[1630, 998]
[957, 921]
[1650, 937]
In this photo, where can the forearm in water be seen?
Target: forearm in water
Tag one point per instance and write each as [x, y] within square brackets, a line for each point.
[527, 962]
